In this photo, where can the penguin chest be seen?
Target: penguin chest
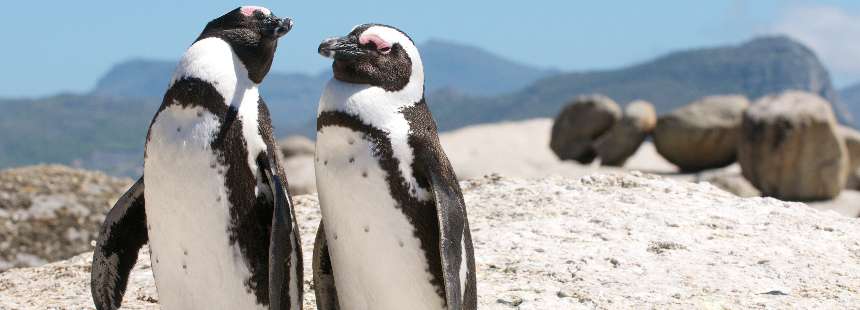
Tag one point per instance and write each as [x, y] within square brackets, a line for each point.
[377, 258]
[196, 265]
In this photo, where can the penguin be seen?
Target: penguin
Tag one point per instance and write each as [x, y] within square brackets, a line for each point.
[394, 232]
[212, 202]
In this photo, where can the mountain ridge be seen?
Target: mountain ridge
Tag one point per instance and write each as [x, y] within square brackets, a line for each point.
[849, 96]
[104, 129]
[754, 68]
[448, 64]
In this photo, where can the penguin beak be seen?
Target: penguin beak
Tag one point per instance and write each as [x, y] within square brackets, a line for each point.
[281, 27]
[343, 48]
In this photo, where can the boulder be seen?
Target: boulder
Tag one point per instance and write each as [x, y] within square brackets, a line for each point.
[703, 134]
[791, 147]
[603, 241]
[846, 204]
[579, 124]
[297, 158]
[729, 179]
[623, 139]
[48, 213]
[296, 145]
[301, 174]
[852, 144]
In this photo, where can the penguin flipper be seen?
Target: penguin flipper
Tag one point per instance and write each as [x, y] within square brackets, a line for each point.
[121, 236]
[324, 286]
[453, 229]
[282, 243]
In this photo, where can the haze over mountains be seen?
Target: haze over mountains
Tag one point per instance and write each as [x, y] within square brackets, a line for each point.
[850, 97]
[105, 129]
[756, 68]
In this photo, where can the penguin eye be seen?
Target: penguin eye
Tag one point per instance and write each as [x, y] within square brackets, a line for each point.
[385, 49]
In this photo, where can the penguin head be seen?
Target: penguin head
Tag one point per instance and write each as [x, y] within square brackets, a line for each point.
[253, 34]
[376, 55]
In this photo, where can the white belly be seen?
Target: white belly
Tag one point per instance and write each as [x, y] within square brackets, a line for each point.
[187, 211]
[377, 261]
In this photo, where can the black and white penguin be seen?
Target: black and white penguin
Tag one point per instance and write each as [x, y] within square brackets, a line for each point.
[394, 232]
[213, 203]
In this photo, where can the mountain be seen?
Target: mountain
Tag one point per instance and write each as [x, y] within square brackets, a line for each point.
[474, 71]
[105, 128]
[292, 98]
[755, 68]
[101, 133]
[136, 78]
[850, 97]
[468, 69]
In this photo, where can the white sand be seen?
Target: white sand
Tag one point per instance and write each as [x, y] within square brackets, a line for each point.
[521, 149]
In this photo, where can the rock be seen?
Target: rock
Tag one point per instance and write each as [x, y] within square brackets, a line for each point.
[485, 149]
[791, 148]
[579, 124]
[845, 204]
[703, 134]
[729, 179]
[297, 157]
[296, 145]
[619, 241]
[625, 137]
[301, 174]
[735, 184]
[852, 144]
[48, 213]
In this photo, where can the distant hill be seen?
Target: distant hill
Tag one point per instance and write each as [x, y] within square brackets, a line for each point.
[105, 129]
[292, 98]
[474, 71]
[468, 69]
[95, 132]
[755, 68]
[850, 97]
[136, 78]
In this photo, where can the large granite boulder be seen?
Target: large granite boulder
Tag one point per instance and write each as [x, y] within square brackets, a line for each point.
[791, 147]
[623, 139]
[703, 134]
[296, 146]
[852, 143]
[48, 213]
[297, 157]
[602, 241]
[579, 124]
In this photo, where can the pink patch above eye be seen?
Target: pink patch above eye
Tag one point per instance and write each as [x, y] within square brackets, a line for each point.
[249, 10]
[379, 42]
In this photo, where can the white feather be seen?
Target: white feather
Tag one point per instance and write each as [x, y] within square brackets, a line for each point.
[377, 261]
[295, 296]
[464, 267]
[213, 60]
[188, 212]
[413, 91]
[381, 108]
[195, 265]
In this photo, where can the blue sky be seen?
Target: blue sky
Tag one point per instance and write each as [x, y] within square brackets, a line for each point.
[54, 46]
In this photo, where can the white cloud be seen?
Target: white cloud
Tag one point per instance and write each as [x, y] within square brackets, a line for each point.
[832, 32]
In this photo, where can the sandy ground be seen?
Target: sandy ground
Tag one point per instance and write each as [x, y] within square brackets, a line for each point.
[521, 149]
[515, 149]
[606, 241]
